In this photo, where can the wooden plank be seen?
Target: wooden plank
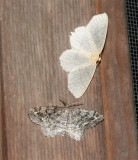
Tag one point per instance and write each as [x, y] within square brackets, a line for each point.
[0, 98]
[34, 34]
[120, 124]
[3, 137]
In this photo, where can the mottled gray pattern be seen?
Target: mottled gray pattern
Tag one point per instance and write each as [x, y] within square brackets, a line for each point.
[67, 120]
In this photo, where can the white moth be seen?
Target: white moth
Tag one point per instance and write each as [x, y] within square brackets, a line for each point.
[87, 43]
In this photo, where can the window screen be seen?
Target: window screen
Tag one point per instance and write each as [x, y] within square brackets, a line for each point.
[132, 26]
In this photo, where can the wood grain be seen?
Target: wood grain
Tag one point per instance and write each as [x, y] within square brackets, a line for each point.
[34, 34]
[3, 137]
[120, 122]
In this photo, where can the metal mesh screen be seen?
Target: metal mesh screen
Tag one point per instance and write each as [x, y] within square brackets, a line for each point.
[132, 26]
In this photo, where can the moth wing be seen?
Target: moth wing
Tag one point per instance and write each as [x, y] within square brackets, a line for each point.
[80, 40]
[79, 79]
[97, 28]
[33, 117]
[48, 131]
[71, 59]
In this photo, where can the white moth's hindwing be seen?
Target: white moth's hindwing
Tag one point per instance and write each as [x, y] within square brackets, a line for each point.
[79, 79]
[87, 44]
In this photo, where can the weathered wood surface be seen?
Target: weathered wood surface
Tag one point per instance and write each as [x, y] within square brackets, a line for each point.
[120, 123]
[33, 35]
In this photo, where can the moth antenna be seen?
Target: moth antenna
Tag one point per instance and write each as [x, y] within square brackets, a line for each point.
[63, 101]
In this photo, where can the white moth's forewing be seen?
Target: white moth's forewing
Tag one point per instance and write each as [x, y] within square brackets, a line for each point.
[97, 27]
[87, 44]
[79, 79]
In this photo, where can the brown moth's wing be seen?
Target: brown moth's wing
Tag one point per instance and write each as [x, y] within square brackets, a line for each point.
[72, 122]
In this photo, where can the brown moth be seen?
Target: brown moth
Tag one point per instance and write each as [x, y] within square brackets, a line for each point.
[66, 120]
